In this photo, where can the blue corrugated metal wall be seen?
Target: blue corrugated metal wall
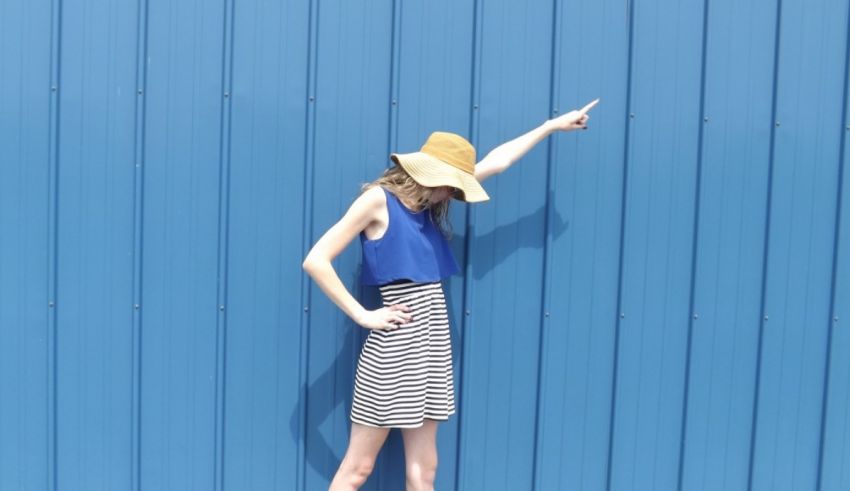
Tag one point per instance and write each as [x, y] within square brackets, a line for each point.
[658, 303]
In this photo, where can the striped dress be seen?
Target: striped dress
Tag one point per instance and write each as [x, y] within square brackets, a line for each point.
[405, 375]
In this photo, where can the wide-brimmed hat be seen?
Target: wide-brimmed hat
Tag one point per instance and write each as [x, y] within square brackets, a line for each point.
[446, 159]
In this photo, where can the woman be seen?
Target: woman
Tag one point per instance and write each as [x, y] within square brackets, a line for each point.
[404, 373]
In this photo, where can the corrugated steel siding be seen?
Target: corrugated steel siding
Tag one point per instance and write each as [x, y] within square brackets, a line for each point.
[658, 303]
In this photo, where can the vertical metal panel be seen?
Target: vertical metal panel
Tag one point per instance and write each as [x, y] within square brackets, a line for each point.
[730, 243]
[179, 300]
[657, 303]
[835, 431]
[661, 170]
[505, 251]
[583, 247]
[801, 231]
[269, 98]
[26, 266]
[299, 428]
[95, 183]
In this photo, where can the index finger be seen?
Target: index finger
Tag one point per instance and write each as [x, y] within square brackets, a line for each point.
[589, 106]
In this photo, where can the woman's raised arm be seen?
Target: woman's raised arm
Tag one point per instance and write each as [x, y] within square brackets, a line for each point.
[503, 156]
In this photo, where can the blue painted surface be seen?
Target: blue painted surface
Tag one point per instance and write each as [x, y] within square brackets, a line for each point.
[660, 302]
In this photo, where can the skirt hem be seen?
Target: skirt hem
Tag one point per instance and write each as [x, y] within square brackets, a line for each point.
[402, 425]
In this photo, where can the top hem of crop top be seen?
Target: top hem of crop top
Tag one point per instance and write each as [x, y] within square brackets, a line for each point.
[412, 248]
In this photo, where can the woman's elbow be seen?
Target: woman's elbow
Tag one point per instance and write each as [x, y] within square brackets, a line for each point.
[311, 263]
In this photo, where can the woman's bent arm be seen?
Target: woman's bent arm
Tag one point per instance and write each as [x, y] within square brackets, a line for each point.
[325, 275]
[318, 261]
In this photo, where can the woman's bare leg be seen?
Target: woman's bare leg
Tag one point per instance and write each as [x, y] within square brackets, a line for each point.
[420, 455]
[359, 460]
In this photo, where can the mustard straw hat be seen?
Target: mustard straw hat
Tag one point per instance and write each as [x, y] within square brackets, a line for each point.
[446, 159]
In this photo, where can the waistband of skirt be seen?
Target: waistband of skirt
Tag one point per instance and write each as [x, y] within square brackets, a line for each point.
[409, 286]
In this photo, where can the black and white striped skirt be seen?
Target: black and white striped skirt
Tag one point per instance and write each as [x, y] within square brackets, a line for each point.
[405, 375]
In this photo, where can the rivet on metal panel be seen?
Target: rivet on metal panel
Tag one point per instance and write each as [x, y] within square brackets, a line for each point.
[555, 111]
[306, 309]
[467, 312]
[777, 123]
[136, 306]
[848, 126]
[696, 316]
[221, 307]
[546, 314]
[50, 304]
[312, 98]
[395, 102]
[622, 315]
[54, 88]
[705, 119]
[765, 317]
[139, 91]
[227, 94]
[835, 319]
[631, 115]
[475, 107]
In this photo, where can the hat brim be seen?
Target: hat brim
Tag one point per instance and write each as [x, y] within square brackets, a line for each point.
[432, 172]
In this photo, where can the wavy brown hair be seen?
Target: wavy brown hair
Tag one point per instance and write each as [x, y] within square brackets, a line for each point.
[399, 182]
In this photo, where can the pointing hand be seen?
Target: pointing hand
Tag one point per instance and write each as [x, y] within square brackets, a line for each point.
[575, 119]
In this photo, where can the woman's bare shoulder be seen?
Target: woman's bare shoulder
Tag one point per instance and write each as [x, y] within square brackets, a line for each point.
[372, 203]
[359, 216]
[372, 198]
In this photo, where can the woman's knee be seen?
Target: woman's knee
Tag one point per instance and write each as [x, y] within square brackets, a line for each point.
[422, 472]
[359, 470]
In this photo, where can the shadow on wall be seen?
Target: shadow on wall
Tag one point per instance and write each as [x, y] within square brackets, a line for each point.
[517, 231]
[326, 393]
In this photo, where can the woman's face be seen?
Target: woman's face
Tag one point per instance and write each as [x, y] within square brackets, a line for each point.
[442, 193]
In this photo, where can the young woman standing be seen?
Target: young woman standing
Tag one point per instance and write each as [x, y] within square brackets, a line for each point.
[404, 373]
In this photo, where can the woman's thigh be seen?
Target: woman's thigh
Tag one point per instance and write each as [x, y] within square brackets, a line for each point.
[420, 444]
[365, 442]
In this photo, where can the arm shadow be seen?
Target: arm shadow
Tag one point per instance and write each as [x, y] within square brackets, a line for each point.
[481, 264]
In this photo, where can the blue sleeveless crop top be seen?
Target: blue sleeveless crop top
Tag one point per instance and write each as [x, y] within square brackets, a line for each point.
[411, 248]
